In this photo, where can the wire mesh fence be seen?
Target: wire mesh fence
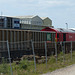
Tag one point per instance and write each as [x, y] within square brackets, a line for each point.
[32, 54]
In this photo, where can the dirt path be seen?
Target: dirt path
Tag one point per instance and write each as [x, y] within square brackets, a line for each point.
[70, 70]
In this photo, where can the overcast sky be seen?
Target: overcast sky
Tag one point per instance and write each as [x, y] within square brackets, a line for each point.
[59, 11]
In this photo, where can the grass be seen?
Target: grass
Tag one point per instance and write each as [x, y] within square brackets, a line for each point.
[26, 67]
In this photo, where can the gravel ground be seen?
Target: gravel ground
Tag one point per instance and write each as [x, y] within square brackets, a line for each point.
[70, 70]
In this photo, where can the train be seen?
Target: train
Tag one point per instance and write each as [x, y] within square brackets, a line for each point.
[62, 34]
[20, 41]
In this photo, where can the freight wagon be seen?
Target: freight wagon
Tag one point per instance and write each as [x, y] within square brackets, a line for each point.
[20, 41]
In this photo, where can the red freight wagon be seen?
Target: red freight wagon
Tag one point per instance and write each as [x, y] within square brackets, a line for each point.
[62, 34]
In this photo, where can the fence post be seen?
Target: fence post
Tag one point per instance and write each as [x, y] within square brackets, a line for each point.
[63, 49]
[56, 52]
[71, 50]
[33, 54]
[46, 52]
[9, 57]
[64, 52]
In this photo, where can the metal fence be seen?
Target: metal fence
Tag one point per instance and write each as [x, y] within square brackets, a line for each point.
[14, 50]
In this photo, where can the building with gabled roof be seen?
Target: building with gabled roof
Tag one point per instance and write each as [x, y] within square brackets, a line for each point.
[47, 21]
[30, 22]
[34, 22]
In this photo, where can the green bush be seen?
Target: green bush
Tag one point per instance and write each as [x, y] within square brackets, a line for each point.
[52, 59]
[4, 67]
[23, 64]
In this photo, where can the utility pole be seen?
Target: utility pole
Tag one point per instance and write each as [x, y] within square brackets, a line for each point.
[66, 25]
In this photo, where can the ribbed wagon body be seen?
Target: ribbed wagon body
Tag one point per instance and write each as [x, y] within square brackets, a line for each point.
[20, 41]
